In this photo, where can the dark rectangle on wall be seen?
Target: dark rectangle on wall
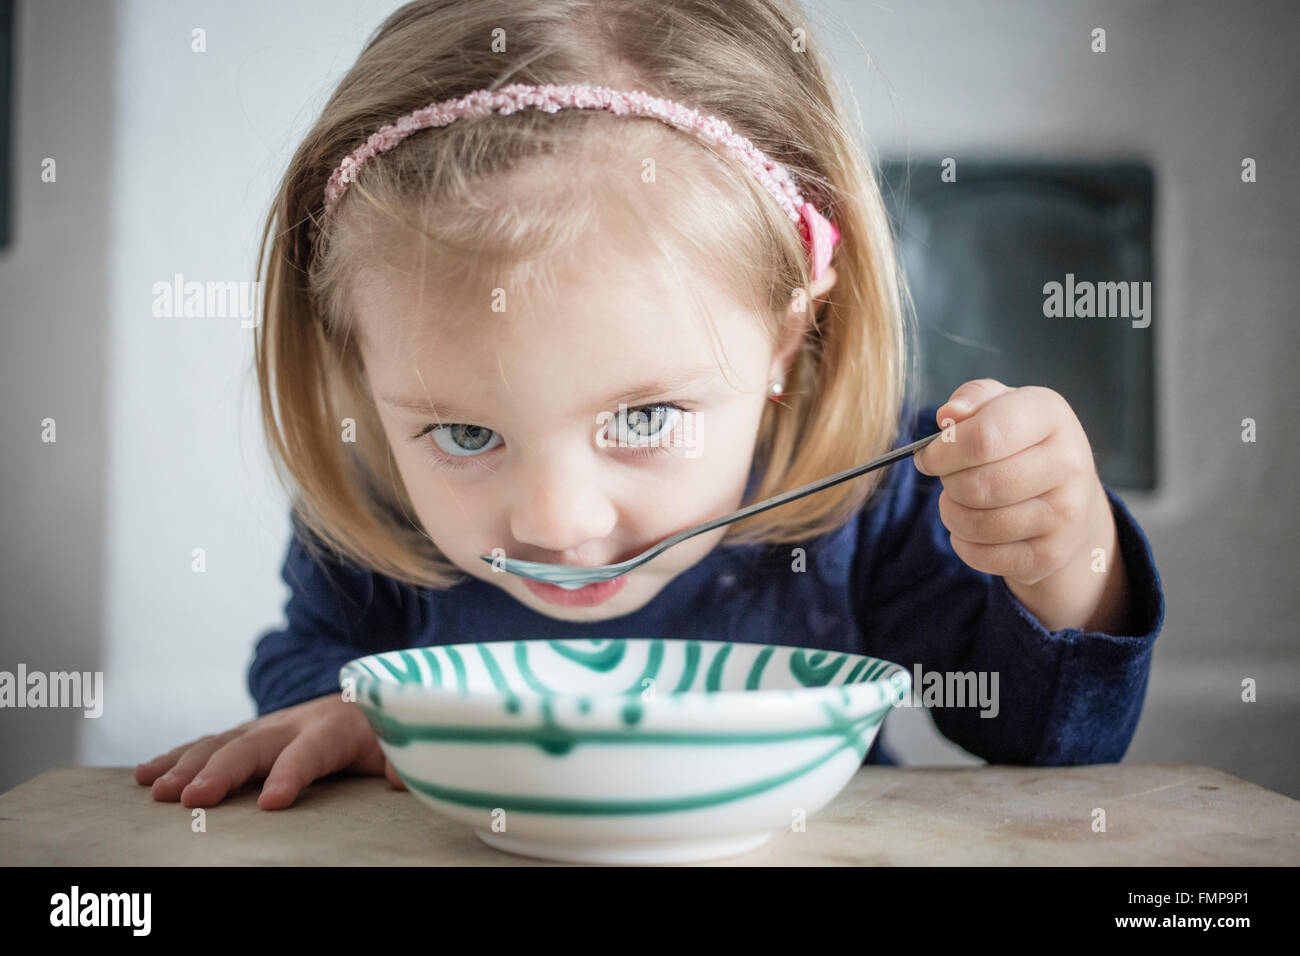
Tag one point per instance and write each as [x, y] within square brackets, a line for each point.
[981, 253]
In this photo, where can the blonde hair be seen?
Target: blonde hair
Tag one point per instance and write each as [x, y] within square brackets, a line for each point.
[746, 62]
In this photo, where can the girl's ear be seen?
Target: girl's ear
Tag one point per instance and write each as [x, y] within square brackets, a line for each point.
[797, 322]
[800, 306]
[823, 285]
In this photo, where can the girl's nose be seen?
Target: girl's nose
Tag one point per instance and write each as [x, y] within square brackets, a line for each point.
[560, 505]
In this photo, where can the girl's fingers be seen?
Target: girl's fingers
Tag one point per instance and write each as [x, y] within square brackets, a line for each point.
[1005, 425]
[250, 755]
[149, 771]
[1025, 519]
[1033, 472]
[309, 756]
[393, 777]
[170, 784]
[1029, 560]
[306, 742]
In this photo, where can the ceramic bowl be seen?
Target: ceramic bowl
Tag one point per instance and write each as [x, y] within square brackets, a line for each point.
[625, 751]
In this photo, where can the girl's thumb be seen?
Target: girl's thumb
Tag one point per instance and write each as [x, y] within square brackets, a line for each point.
[968, 399]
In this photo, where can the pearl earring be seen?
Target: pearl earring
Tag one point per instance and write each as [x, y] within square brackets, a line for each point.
[774, 391]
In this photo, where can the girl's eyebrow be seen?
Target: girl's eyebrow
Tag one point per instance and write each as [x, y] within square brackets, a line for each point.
[670, 382]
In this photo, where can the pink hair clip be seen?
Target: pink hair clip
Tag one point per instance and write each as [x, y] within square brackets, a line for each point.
[819, 233]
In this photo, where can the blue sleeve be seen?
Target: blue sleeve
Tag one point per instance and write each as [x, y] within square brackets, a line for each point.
[336, 612]
[1064, 697]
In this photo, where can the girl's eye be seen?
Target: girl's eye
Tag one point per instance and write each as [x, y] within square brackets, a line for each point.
[645, 430]
[464, 441]
[645, 425]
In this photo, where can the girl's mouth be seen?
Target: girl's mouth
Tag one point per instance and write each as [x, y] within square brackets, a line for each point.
[586, 596]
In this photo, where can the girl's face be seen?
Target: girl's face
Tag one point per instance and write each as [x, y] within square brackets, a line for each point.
[576, 428]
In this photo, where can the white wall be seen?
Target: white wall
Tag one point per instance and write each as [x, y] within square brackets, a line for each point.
[168, 158]
[200, 142]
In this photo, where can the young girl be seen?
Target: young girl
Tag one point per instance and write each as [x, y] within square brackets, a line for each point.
[603, 272]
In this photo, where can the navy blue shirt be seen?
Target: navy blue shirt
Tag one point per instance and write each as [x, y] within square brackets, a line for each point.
[886, 583]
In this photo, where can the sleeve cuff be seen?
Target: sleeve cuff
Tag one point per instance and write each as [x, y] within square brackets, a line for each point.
[275, 682]
[1146, 594]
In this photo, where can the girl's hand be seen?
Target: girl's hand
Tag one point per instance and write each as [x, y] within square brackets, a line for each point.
[1022, 499]
[290, 747]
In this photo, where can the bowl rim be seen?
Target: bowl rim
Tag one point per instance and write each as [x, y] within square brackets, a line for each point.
[374, 691]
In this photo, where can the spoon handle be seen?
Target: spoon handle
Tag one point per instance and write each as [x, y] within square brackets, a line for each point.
[904, 452]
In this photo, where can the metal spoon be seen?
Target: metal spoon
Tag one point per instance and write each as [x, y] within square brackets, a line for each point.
[571, 577]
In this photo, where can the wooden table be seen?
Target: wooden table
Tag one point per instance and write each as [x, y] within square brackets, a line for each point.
[1155, 815]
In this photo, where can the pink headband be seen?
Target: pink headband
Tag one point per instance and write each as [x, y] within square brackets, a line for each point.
[819, 234]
